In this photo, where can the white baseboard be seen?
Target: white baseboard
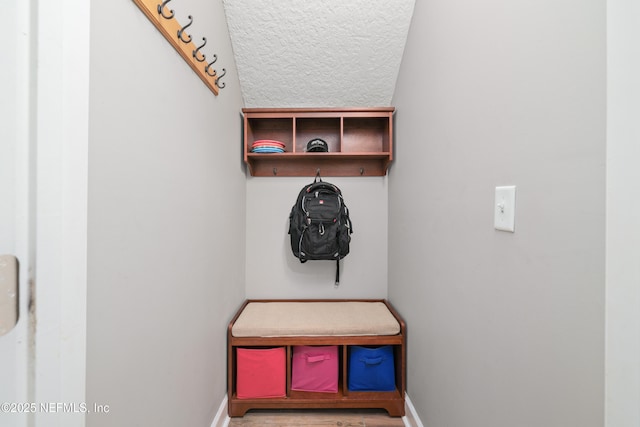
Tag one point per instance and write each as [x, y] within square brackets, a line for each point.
[222, 418]
[411, 418]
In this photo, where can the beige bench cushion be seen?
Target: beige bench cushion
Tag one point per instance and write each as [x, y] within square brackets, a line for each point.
[283, 319]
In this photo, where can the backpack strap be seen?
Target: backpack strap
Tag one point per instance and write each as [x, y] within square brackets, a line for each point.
[337, 273]
[321, 185]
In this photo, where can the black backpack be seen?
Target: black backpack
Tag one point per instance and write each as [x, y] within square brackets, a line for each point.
[319, 224]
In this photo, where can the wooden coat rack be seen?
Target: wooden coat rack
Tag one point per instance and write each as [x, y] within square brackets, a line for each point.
[164, 20]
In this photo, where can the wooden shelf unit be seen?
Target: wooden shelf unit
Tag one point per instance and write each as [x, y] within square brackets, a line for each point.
[360, 141]
[391, 401]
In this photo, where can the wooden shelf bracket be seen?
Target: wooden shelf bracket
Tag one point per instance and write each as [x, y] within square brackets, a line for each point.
[163, 18]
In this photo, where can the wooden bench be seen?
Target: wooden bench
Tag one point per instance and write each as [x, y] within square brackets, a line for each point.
[342, 323]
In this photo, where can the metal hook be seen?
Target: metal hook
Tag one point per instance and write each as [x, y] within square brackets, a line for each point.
[181, 30]
[219, 77]
[195, 52]
[161, 10]
[206, 69]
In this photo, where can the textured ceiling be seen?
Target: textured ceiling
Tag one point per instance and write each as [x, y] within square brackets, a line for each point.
[322, 53]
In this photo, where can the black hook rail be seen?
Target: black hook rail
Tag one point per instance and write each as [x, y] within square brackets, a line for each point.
[165, 21]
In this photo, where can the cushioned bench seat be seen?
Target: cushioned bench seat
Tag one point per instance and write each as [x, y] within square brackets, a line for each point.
[342, 318]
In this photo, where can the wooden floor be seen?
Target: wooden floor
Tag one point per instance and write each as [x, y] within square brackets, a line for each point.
[319, 418]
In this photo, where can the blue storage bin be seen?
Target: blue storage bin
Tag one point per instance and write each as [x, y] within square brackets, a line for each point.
[371, 369]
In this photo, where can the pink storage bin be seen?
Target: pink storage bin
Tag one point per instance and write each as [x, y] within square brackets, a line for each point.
[261, 373]
[315, 369]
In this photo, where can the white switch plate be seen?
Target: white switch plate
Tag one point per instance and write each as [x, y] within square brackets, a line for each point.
[505, 208]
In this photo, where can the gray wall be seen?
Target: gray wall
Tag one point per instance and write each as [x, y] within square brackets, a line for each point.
[273, 271]
[504, 329]
[166, 220]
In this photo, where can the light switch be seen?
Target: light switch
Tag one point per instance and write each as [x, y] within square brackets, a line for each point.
[505, 208]
[8, 293]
